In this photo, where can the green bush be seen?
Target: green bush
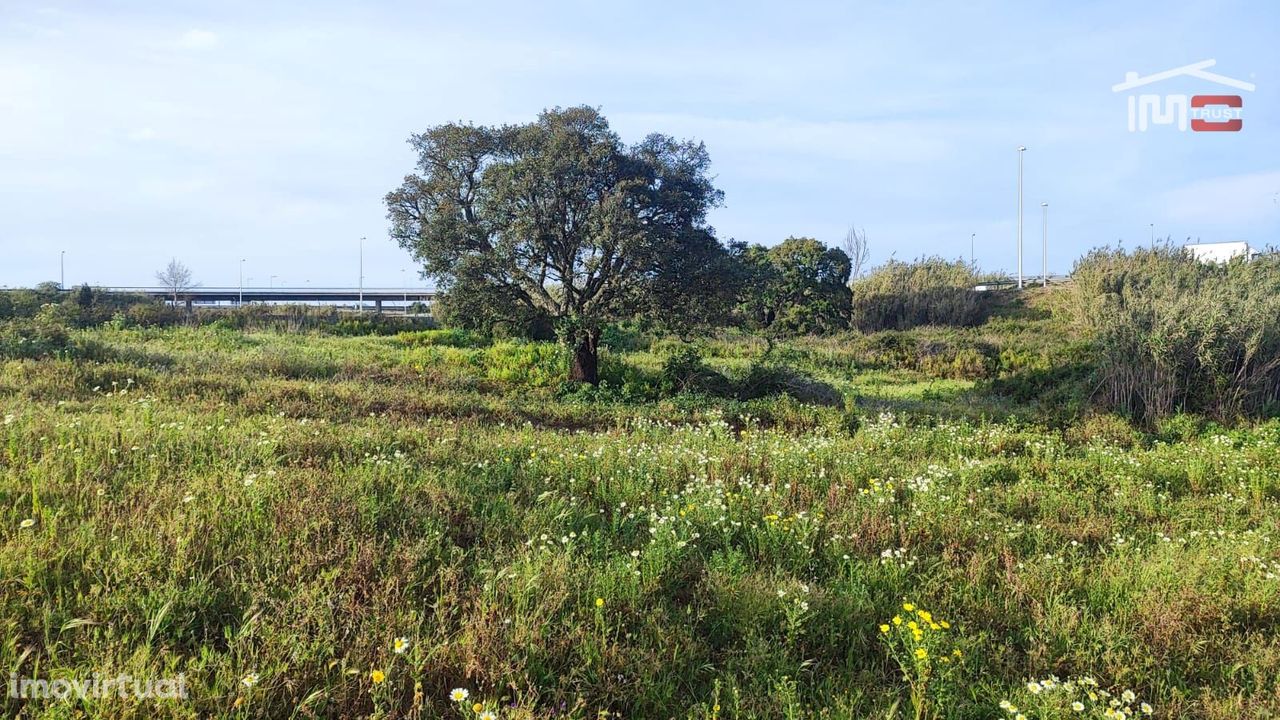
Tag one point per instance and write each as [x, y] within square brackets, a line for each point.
[526, 364]
[45, 336]
[151, 315]
[964, 363]
[27, 338]
[764, 378]
[685, 371]
[1174, 334]
[945, 354]
[929, 291]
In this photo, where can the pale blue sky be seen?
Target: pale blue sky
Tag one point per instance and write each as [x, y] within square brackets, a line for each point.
[134, 131]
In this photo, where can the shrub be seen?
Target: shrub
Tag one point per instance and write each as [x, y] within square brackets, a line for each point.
[929, 291]
[1106, 429]
[526, 364]
[685, 371]
[949, 355]
[26, 338]
[44, 336]
[622, 337]
[766, 378]
[966, 363]
[151, 314]
[627, 381]
[1174, 334]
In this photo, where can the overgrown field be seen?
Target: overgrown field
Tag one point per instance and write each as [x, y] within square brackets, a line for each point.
[311, 526]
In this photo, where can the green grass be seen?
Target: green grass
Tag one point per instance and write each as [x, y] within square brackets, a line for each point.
[220, 504]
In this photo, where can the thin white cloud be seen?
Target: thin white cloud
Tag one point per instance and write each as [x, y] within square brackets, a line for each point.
[198, 40]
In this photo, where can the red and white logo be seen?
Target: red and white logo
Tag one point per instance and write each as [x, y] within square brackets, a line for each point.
[1216, 113]
[1207, 113]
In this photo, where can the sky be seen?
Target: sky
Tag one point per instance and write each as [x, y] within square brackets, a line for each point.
[133, 132]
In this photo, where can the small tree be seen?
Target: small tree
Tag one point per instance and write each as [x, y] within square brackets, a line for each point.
[176, 278]
[84, 297]
[855, 246]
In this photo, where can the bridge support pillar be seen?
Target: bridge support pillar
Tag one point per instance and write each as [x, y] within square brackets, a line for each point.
[377, 306]
[188, 305]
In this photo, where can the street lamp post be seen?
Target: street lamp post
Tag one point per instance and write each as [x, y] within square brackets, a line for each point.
[62, 270]
[1044, 257]
[972, 261]
[1153, 236]
[1021, 149]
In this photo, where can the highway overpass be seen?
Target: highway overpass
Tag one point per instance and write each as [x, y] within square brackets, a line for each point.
[374, 297]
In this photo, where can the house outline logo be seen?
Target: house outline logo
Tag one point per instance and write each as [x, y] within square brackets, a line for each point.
[1207, 113]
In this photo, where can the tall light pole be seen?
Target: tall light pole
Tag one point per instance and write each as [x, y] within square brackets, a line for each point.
[241, 301]
[62, 270]
[1021, 149]
[1153, 236]
[362, 275]
[972, 261]
[1044, 257]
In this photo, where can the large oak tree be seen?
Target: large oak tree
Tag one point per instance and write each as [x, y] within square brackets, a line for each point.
[561, 218]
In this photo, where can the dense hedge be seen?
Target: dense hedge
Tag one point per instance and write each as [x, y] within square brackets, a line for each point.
[1174, 334]
[930, 291]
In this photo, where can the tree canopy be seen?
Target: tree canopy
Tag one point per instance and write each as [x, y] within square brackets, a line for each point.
[797, 286]
[559, 218]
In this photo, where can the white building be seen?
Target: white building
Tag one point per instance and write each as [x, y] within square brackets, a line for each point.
[1220, 252]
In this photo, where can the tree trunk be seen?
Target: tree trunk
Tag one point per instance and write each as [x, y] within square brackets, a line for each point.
[586, 356]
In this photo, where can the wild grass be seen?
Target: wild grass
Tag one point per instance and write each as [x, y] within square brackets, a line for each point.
[275, 515]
